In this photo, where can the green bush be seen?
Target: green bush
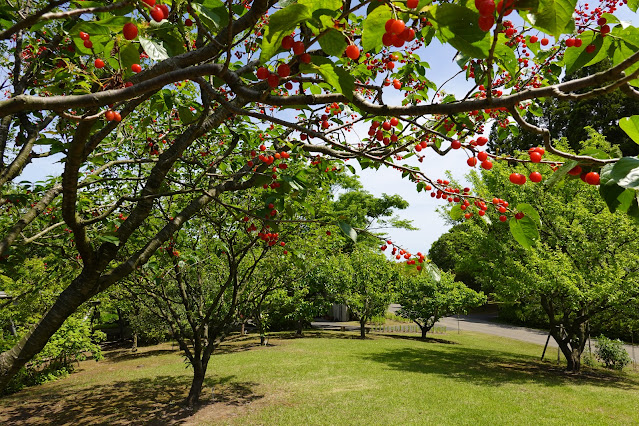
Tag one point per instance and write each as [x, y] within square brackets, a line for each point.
[612, 353]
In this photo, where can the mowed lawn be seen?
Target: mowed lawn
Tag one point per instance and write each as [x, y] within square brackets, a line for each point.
[335, 378]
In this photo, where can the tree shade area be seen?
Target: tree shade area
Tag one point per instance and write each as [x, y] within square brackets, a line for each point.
[203, 154]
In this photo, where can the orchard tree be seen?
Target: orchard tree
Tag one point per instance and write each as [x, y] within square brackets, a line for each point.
[427, 297]
[581, 267]
[364, 281]
[185, 101]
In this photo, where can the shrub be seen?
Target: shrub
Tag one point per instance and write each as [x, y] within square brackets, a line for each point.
[612, 353]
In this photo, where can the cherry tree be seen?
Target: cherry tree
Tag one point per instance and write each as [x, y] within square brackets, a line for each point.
[155, 110]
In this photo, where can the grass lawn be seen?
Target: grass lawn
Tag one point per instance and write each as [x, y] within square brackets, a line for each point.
[334, 378]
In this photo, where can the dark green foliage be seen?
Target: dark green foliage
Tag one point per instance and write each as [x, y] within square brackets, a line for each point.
[612, 353]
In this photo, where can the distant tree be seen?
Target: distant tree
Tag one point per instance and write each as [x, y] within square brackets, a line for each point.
[427, 297]
[569, 119]
[363, 280]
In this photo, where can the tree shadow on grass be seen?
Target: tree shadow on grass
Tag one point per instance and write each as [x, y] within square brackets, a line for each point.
[125, 355]
[494, 368]
[145, 401]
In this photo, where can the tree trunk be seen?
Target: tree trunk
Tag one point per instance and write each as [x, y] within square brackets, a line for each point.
[362, 328]
[199, 372]
[300, 327]
[120, 324]
[424, 331]
[67, 303]
[134, 346]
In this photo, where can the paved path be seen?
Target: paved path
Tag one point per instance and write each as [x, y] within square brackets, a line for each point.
[486, 323]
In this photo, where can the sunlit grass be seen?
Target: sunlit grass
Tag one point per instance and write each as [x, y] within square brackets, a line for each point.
[468, 378]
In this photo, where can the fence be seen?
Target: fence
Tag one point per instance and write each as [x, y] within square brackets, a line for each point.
[404, 328]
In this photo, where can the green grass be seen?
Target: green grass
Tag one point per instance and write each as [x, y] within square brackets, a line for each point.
[336, 379]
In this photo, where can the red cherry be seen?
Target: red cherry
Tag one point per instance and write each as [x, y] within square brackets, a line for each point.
[533, 39]
[389, 25]
[408, 34]
[352, 51]
[591, 48]
[165, 10]
[109, 115]
[262, 73]
[84, 36]
[601, 21]
[472, 161]
[486, 7]
[99, 63]
[535, 157]
[570, 42]
[298, 47]
[394, 121]
[519, 215]
[130, 31]
[398, 26]
[482, 156]
[287, 42]
[535, 177]
[455, 144]
[284, 70]
[136, 68]
[486, 165]
[151, 3]
[481, 141]
[517, 178]
[592, 178]
[503, 218]
[575, 171]
[578, 42]
[117, 117]
[386, 125]
[157, 14]
[544, 41]
[88, 44]
[412, 4]
[486, 22]
[604, 30]
[305, 58]
[397, 84]
[188, 22]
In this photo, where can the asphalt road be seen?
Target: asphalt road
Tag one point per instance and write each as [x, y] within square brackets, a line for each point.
[486, 323]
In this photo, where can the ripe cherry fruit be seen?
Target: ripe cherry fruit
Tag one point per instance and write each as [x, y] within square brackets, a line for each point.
[412, 4]
[109, 115]
[535, 157]
[287, 42]
[352, 51]
[592, 178]
[136, 68]
[84, 36]
[535, 177]
[165, 10]
[455, 144]
[157, 14]
[472, 161]
[99, 63]
[284, 70]
[486, 165]
[299, 48]
[262, 73]
[130, 31]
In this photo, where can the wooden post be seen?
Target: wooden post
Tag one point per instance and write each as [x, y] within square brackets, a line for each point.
[545, 347]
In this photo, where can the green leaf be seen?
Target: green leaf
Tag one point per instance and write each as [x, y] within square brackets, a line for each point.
[212, 14]
[610, 194]
[633, 5]
[630, 125]
[524, 231]
[333, 43]
[280, 25]
[459, 27]
[553, 16]
[560, 173]
[530, 212]
[625, 173]
[154, 49]
[129, 55]
[455, 213]
[110, 239]
[348, 231]
[373, 29]
[337, 77]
